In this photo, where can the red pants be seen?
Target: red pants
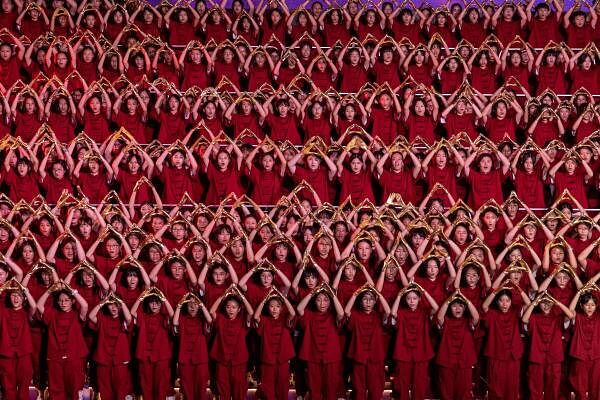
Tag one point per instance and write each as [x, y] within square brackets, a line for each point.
[323, 380]
[231, 381]
[544, 381]
[411, 376]
[15, 376]
[455, 383]
[585, 377]
[38, 359]
[154, 379]
[369, 377]
[114, 381]
[503, 379]
[66, 378]
[275, 380]
[194, 380]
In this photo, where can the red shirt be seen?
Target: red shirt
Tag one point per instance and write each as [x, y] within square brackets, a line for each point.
[284, 128]
[367, 342]
[457, 345]
[222, 183]
[356, 186]
[530, 187]
[421, 125]
[229, 345]
[401, 182]
[96, 126]
[385, 125]
[95, 187]
[485, 187]
[192, 341]
[176, 181]
[413, 343]
[545, 332]
[21, 187]
[267, 186]
[65, 334]
[504, 337]
[276, 340]
[353, 77]
[15, 333]
[113, 336]
[575, 183]
[585, 344]
[318, 179]
[320, 342]
[153, 337]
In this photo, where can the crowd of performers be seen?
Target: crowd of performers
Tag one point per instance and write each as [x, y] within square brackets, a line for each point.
[334, 197]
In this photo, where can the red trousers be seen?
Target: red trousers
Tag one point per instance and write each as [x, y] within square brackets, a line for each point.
[275, 380]
[585, 377]
[154, 379]
[231, 381]
[544, 381]
[368, 380]
[114, 381]
[324, 380]
[503, 379]
[455, 383]
[194, 380]
[66, 378]
[15, 377]
[411, 377]
[39, 363]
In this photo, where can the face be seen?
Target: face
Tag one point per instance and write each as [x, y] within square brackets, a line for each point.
[154, 305]
[112, 248]
[368, 302]
[266, 278]
[65, 303]
[490, 219]
[313, 162]
[432, 269]
[589, 307]
[132, 280]
[322, 302]
[177, 159]
[69, 251]
[275, 308]
[472, 277]
[457, 309]
[45, 227]
[412, 300]
[16, 300]
[485, 164]
[28, 254]
[562, 279]
[88, 279]
[356, 165]
[177, 270]
[232, 308]
[504, 302]
[557, 255]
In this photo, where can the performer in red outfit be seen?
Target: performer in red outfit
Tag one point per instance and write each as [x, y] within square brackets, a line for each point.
[320, 347]
[456, 355]
[16, 344]
[366, 348]
[112, 322]
[546, 351]
[66, 346]
[190, 323]
[413, 347]
[229, 351]
[274, 318]
[504, 347]
[153, 349]
[584, 351]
